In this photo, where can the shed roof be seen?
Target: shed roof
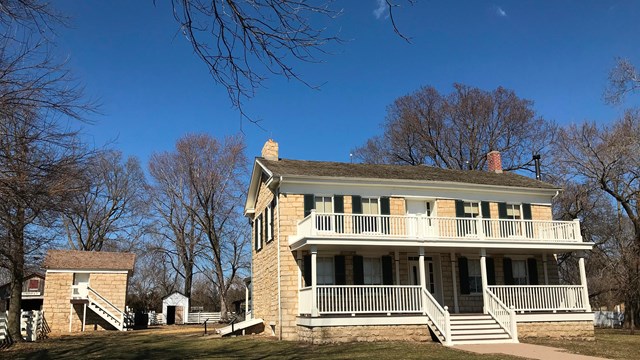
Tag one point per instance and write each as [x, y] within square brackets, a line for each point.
[89, 260]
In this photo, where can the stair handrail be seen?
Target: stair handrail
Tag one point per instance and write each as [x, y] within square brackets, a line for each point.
[122, 313]
[439, 316]
[505, 316]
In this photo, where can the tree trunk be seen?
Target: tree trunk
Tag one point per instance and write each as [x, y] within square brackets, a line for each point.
[188, 279]
[17, 273]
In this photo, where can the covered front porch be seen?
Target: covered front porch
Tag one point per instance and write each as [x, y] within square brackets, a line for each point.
[426, 285]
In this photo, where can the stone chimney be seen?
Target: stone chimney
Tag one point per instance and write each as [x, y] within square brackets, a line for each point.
[270, 150]
[494, 162]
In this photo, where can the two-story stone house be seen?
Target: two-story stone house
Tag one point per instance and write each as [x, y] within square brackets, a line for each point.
[358, 252]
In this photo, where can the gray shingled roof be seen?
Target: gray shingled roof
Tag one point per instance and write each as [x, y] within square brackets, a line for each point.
[89, 260]
[286, 167]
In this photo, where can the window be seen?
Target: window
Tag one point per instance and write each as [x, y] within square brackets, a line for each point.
[269, 221]
[475, 277]
[34, 285]
[471, 209]
[519, 268]
[325, 269]
[324, 204]
[257, 229]
[372, 269]
[513, 211]
[370, 206]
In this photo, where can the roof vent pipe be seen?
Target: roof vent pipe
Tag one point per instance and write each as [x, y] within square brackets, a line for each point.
[536, 160]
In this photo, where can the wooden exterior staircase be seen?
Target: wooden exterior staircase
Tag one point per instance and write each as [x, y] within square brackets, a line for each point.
[120, 320]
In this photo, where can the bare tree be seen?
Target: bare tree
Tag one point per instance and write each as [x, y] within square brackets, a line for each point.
[152, 280]
[111, 209]
[181, 239]
[623, 79]
[214, 173]
[457, 130]
[243, 42]
[606, 158]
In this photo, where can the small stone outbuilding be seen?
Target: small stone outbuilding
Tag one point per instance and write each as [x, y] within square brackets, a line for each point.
[86, 290]
[175, 308]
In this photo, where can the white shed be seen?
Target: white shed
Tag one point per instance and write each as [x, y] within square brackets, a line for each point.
[175, 308]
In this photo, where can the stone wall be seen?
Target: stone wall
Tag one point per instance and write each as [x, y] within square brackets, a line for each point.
[370, 333]
[575, 330]
[58, 309]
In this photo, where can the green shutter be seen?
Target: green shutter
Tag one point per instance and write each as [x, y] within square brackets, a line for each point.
[486, 211]
[463, 271]
[341, 278]
[387, 270]
[491, 271]
[459, 208]
[385, 209]
[508, 271]
[356, 204]
[502, 210]
[532, 264]
[338, 204]
[307, 270]
[526, 211]
[358, 270]
[309, 204]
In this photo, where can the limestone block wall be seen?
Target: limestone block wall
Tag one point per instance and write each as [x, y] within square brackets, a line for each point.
[575, 330]
[371, 333]
[56, 306]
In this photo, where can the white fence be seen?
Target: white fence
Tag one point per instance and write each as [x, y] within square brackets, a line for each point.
[611, 319]
[201, 317]
[31, 326]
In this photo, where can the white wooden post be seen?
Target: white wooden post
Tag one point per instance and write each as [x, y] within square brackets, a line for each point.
[314, 229]
[246, 303]
[84, 316]
[514, 324]
[454, 280]
[578, 234]
[423, 280]
[314, 280]
[447, 327]
[583, 282]
[483, 273]
[299, 262]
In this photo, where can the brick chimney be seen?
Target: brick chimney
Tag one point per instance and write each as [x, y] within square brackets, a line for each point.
[494, 162]
[270, 150]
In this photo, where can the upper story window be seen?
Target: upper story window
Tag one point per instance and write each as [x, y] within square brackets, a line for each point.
[324, 204]
[34, 285]
[370, 206]
[471, 209]
[513, 212]
[257, 232]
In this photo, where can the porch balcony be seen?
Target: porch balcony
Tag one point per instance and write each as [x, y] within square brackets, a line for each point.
[323, 228]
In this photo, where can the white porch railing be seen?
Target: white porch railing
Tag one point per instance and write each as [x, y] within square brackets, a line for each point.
[541, 297]
[305, 300]
[434, 228]
[369, 299]
[438, 315]
[504, 316]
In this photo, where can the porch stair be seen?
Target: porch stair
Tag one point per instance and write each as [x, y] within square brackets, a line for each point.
[121, 321]
[477, 329]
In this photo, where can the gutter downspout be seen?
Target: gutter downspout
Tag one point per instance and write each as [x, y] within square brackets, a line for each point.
[277, 195]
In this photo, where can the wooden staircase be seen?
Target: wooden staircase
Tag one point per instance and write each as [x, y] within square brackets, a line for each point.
[477, 329]
[120, 321]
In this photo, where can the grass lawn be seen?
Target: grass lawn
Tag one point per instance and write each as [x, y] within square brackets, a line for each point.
[188, 343]
[610, 344]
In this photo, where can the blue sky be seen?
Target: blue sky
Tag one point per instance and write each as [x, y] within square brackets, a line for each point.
[153, 90]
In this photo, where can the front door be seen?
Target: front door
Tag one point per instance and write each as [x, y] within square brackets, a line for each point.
[80, 284]
[424, 210]
[431, 275]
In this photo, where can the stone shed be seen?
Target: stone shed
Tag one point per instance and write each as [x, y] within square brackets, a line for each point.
[175, 308]
[86, 290]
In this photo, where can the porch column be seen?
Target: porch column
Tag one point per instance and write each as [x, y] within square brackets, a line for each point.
[454, 281]
[483, 273]
[314, 282]
[397, 260]
[583, 282]
[544, 268]
[246, 301]
[299, 262]
[423, 279]
[84, 316]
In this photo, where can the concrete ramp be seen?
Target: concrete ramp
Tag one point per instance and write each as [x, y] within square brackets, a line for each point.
[228, 330]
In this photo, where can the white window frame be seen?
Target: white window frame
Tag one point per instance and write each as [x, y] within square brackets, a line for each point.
[517, 280]
[258, 223]
[472, 204]
[369, 199]
[475, 286]
[513, 207]
[268, 212]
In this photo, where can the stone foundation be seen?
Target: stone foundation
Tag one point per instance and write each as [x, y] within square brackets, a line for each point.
[342, 334]
[582, 330]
